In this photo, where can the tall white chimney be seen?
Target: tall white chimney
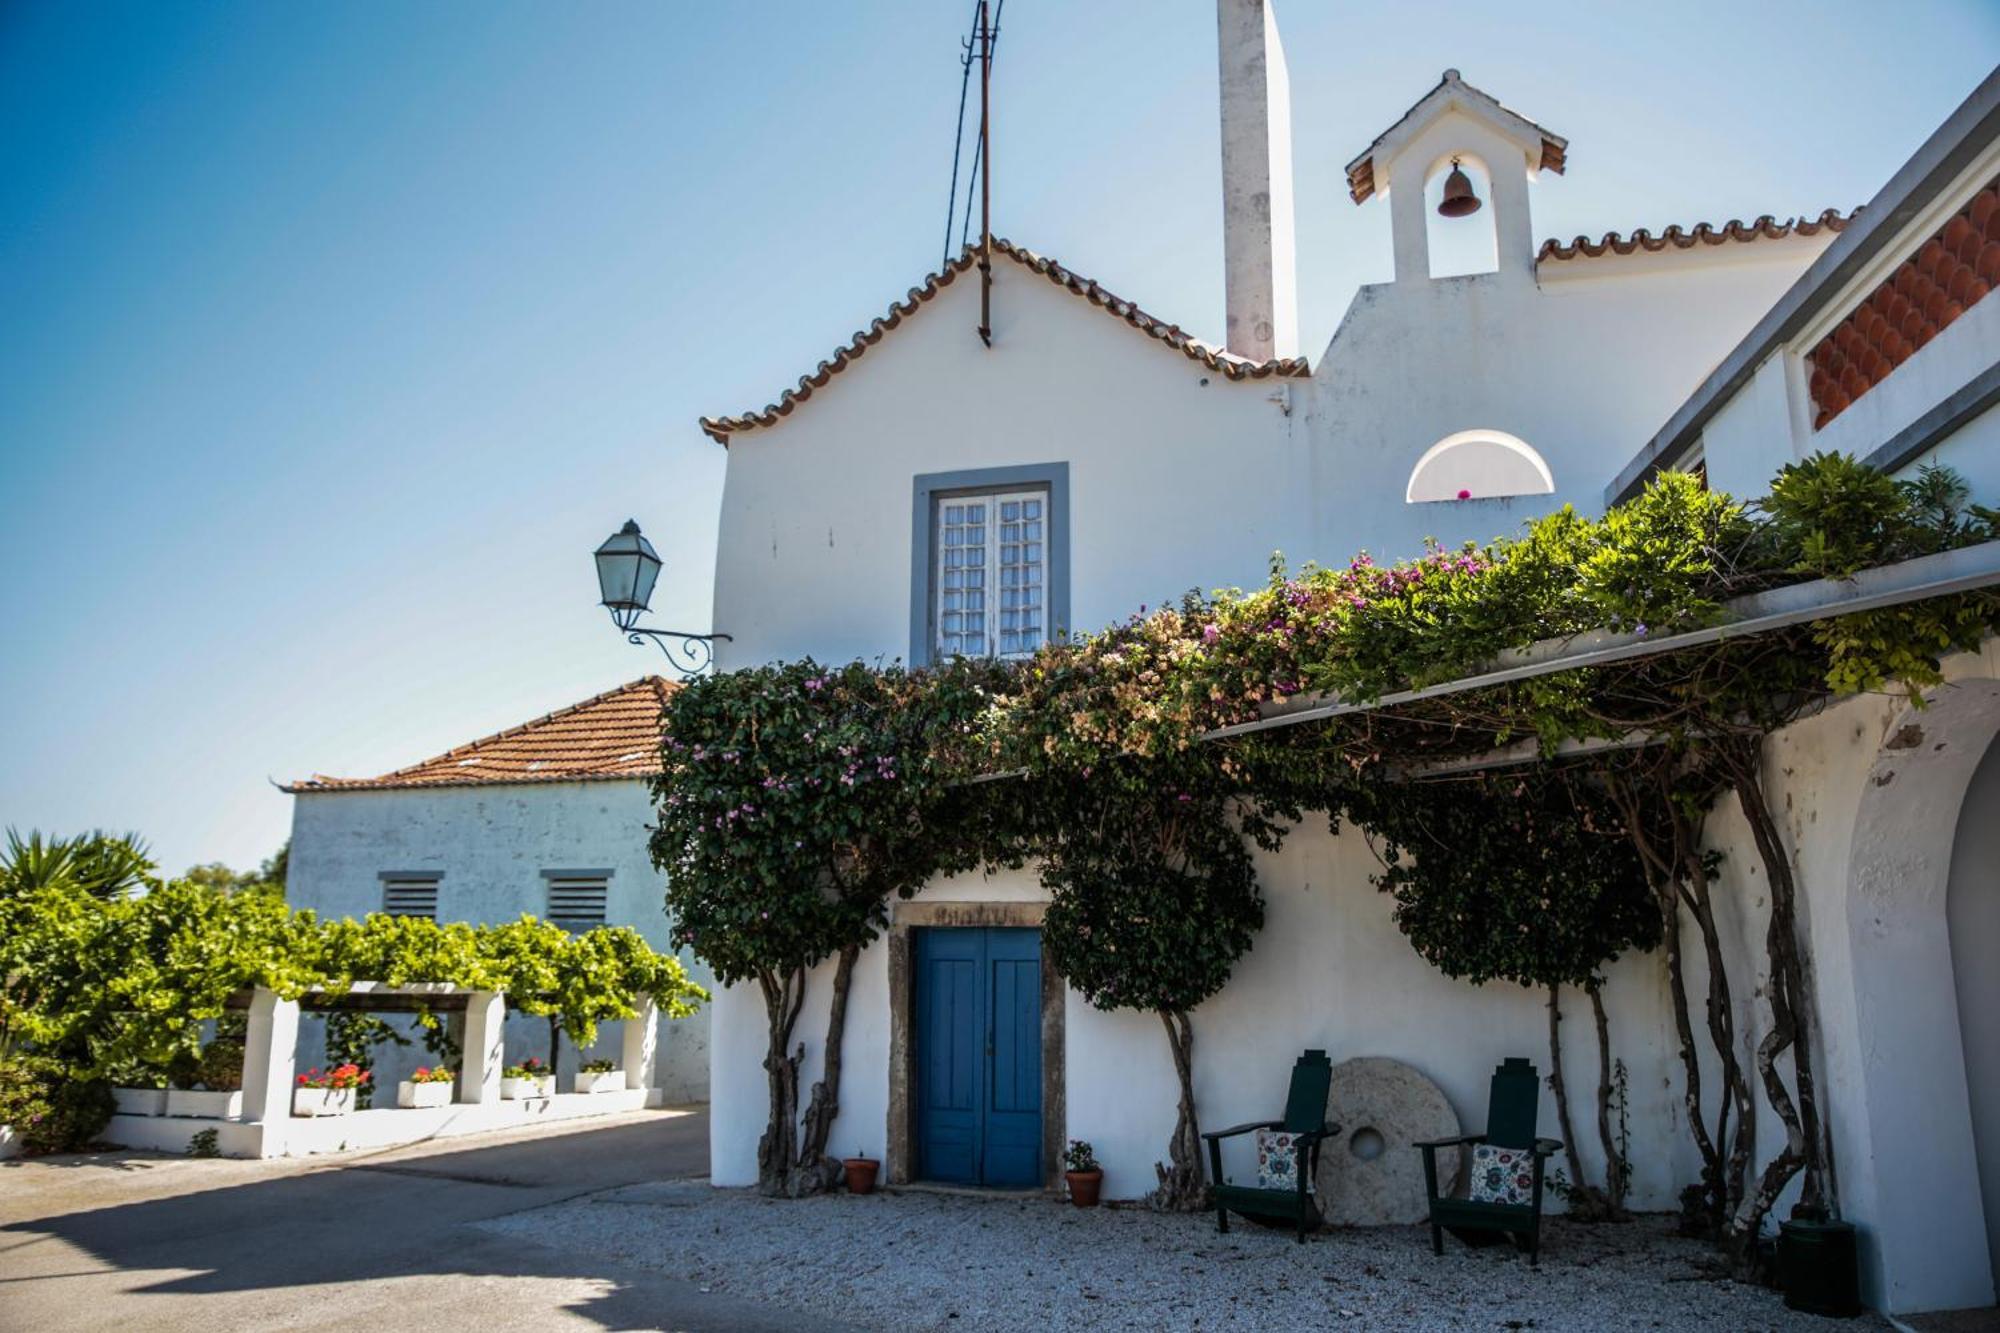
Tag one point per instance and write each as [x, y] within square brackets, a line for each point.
[1260, 279]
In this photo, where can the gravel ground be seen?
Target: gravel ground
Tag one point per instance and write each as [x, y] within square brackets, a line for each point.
[928, 1261]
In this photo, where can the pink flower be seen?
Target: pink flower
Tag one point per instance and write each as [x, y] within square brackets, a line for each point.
[1465, 495]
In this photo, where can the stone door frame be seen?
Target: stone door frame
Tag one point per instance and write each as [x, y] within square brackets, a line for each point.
[902, 1130]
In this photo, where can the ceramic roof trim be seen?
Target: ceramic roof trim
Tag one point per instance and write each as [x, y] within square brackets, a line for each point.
[1702, 233]
[1552, 155]
[612, 735]
[1953, 270]
[1172, 335]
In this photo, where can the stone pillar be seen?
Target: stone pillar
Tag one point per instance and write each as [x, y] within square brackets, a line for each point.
[270, 1042]
[1259, 249]
[642, 1047]
[485, 1051]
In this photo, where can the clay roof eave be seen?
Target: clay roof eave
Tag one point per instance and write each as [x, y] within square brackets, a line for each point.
[1220, 361]
[1677, 237]
[611, 736]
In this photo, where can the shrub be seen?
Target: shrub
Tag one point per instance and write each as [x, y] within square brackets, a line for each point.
[51, 1110]
[599, 1066]
[433, 1074]
[221, 1065]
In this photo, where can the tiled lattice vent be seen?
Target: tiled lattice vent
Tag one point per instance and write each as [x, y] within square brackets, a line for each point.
[1945, 278]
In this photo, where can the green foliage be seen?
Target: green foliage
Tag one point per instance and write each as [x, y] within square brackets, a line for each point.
[99, 864]
[126, 985]
[50, 1107]
[205, 1143]
[1153, 892]
[351, 1039]
[797, 798]
[269, 877]
[1524, 876]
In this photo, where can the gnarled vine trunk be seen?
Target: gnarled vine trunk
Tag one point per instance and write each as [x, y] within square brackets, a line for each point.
[792, 1164]
[1182, 1186]
[815, 1170]
[1791, 1021]
[1585, 1199]
[1679, 879]
[1617, 1172]
[784, 995]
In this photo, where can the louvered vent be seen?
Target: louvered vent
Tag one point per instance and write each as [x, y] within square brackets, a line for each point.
[577, 897]
[410, 895]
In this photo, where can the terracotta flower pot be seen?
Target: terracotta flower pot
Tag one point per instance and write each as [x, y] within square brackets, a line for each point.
[1084, 1187]
[861, 1174]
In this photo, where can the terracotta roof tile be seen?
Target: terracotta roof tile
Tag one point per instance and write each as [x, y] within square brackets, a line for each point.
[1552, 152]
[1950, 272]
[612, 735]
[1221, 362]
[1687, 238]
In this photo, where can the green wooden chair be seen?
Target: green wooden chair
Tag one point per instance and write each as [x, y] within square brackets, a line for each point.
[1505, 1185]
[1305, 1119]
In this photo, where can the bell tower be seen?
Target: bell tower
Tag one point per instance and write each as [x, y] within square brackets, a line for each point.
[1456, 126]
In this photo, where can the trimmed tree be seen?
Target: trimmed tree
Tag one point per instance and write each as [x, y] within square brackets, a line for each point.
[1153, 898]
[795, 800]
[1525, 877]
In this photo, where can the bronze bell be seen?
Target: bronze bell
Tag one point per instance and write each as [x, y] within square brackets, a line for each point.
[1459, 201]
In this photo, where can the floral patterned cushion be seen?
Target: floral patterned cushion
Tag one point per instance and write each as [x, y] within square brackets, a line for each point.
[1278, 1161]
[1502, 1175]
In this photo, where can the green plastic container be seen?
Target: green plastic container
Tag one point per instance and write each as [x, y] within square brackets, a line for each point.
[1818, 1267]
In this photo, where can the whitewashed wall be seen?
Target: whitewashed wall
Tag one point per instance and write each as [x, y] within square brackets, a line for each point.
[492, 843]
[1177, 483]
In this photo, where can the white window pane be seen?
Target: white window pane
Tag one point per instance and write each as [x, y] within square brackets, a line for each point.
[1002, 532]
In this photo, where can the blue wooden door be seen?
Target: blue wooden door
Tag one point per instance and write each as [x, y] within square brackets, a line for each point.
[979, 1056]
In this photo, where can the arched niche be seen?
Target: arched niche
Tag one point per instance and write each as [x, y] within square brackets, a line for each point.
[1915, 1190]
[1478, 464]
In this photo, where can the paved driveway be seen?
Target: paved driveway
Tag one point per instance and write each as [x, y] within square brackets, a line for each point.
[378, 1239]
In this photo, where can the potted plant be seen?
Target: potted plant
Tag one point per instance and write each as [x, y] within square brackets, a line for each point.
[330, 1092]
[1081, 1170]
[530, 1078]
[861, 1174]
[429, 1086]
[599, 1076]
[219, 1076]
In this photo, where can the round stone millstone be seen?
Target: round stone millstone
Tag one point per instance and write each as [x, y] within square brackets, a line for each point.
[1370, 1173]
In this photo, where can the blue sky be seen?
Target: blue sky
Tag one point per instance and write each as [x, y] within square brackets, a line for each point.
[333, 336]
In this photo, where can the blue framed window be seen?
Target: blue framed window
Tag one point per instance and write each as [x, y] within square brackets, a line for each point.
[989, 561]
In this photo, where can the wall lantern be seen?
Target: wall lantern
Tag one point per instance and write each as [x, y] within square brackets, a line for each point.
[627, 569]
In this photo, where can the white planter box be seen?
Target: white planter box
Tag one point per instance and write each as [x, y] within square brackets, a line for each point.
[208, 1105]
[521, 1089]
[413, 1095]
[322, 1101]
[140, 1101]
[611, 1080]
[10, 1143]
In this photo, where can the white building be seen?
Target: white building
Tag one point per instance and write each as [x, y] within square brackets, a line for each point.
[550, 818]
[1451, 407]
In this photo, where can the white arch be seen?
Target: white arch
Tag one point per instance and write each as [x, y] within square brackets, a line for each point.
[1478, 464]
[1915, 1182]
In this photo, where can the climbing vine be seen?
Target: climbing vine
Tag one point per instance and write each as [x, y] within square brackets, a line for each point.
[798, 799]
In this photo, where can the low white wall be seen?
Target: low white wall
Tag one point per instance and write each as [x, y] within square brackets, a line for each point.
[1329, 970]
